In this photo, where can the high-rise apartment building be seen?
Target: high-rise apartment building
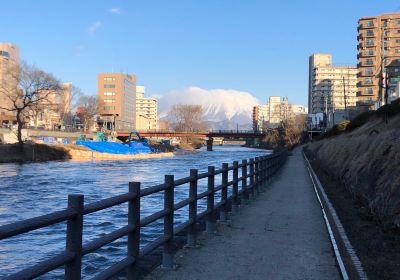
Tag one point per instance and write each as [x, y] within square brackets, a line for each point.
[378, 52]
[9, 59]
[315, 61]
[146, 110]
[117, 100]
[332, 89]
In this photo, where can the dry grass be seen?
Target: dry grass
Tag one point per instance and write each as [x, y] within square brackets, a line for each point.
[367, 162]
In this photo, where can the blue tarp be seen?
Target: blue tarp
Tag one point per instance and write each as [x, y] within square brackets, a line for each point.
[116, 148]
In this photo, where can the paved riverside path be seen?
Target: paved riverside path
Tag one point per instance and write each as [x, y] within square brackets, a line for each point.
[280, 235]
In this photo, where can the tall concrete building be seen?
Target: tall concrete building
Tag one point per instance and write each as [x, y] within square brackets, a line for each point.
[260, 117]
[378, 52]
[276, 111]
[146, 111]
[9, 58]
[332, 89]
[315, 61]
[117, 100]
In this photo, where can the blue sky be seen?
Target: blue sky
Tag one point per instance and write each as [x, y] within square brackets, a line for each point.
[257, 46]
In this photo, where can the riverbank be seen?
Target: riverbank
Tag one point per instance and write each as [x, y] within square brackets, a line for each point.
[42, 152]
[358, 163]
[31, 153]
[378, 248]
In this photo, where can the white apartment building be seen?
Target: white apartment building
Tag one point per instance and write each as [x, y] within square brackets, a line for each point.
[275, 112]
[332, 89]
[146, 110]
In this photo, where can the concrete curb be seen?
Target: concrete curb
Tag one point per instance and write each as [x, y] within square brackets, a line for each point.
[346, 257]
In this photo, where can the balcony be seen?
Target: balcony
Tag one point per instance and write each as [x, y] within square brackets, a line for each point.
[365, 64]
[365, 103]
[369, 34]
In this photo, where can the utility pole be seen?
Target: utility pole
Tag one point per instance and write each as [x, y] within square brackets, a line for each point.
[383, 89]
[384, 75]
[326, 111]
[345, 101]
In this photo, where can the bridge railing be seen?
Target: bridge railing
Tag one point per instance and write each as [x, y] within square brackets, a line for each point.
[254, 176]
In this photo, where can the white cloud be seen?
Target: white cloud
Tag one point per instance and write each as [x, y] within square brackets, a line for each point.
[219, 105]
[94, 27]
[115, 10]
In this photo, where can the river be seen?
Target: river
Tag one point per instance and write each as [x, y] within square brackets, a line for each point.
[30, 190]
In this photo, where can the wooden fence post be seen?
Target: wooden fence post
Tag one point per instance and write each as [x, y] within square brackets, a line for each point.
[257, 175]
[235, 179]
[210, 200]
[168, 261]
[265, 170]
[245, 195]
[192, 238]
[252, 178]
[74, 238]
[224, 194]
[134, 237]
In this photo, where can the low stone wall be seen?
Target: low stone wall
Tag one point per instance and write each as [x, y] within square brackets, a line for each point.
[82, 155]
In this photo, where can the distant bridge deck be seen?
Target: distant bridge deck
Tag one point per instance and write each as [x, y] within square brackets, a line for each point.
[197, 134]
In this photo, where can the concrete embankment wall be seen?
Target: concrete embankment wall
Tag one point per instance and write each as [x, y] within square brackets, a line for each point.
[367, 162]
[84, 155]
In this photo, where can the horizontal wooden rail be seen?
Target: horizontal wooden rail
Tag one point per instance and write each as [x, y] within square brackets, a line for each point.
[255, 174]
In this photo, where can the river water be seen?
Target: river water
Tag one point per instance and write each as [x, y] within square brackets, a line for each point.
[30, 190]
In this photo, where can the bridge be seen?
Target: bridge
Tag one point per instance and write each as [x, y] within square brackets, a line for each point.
[209, 135]
[238, 134]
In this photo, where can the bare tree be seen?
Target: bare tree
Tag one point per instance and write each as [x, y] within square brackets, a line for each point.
[87, 108]
[184, 117]
[26, 88]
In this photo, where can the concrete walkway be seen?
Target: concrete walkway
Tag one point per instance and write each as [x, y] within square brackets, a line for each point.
[281, 235]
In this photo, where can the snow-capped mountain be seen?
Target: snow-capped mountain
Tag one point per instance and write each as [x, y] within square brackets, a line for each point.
[223, 109]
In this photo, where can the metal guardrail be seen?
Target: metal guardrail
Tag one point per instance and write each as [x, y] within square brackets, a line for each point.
[254, 175]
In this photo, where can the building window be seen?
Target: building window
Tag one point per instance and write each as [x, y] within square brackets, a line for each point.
[109, 79]
[109, 86]
[109, 93]
[397, 41]
[368, 81]
[369, 91]
[5, 54]
[369, 52]
[369, 42]
[397, 50]
[385, 23]
[109, 100]
[370, 33]
[368, 71]
[369, 61]
[108, 108]
[370, 23]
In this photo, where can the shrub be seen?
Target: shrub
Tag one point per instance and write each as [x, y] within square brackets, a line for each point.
[360, 120]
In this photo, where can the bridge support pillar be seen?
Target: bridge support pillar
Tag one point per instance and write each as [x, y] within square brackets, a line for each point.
[210, 144]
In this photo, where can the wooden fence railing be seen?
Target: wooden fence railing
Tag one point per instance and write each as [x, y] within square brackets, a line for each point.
[254, 175]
